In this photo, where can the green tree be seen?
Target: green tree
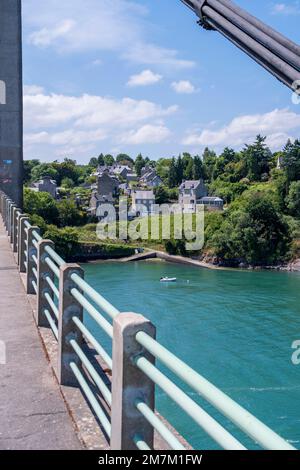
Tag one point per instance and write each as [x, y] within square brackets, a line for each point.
[198, 170]
[258, 159]
[67, 169]
[68, 214]
[101, 161]
[291, 160]
[293, 199]
[124, 159]
[41, 204]
[28, 166]
[161, 195]
[109, 160]
[93, 162]
[209, 160]
[188, 166]
[179, 170]
[139, 164]
[163, 168]
[172, 178]
[44, 169]
[253, 233]
[67, 183]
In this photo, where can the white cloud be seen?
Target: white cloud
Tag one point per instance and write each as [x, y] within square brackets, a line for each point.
[33, 90]
[151, 54]
[71, 26]
[148, 134]
[47, 36]
[147, 77]
[59, 123]
[278, 125]
[284, 9]
[183, 87]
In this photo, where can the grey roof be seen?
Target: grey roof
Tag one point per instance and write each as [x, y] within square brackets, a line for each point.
[190, 184]
[211, 199]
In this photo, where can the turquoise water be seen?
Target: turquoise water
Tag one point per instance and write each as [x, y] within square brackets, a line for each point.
[234, 327]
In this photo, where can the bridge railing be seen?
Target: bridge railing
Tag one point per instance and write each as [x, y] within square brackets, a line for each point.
[125, 406]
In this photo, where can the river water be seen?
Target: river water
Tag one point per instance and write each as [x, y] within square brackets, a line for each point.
[235, 328]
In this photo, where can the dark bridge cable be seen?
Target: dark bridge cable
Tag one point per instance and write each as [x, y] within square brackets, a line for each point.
[257, 34]
[278, 37]
[245, 41]
[277, 54]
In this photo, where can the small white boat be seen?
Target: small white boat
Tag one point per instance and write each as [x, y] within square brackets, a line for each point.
[168, 279]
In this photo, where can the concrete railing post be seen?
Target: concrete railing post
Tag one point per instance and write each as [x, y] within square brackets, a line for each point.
[6, 212]
[22, 247]
[31, 265]
[42, 285]
[11, 222]
[16, 213]
[19, 217]
[129, 384]
[1, 202]
[9, 205]
[67, 330]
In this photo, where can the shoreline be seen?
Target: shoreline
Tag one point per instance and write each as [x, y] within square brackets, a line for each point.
[293, 267]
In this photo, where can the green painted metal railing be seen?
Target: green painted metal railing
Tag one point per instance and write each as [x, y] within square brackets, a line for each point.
[45, 275]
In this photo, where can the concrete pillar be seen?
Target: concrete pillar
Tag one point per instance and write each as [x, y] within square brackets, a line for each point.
[31, 251]
[42, 285]
[11, 122]
[129, 383]
[67, 330]
[22, 243]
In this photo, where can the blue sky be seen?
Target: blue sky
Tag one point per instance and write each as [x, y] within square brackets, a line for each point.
[133, 76]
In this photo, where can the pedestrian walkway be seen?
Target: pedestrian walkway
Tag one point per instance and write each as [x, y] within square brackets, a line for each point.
[33, 414]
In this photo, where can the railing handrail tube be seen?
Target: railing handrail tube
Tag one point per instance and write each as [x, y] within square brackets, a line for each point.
[103, 388]
[217, 432]
[252, 426]
[91, 398]
[92, 340]
[55, 257]
[106, 306]
[93, 312]
[159, 426]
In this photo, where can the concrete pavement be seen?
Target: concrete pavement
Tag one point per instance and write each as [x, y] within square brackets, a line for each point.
[33, 414]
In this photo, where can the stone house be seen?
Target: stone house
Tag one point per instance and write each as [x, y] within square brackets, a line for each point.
[46, 185]
[143, 202]
[105, 192]
[190, 194]
[150, 178]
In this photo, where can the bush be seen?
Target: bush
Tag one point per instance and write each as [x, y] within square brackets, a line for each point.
[66, 241]
[41, 204]
[254, 233]
[175, 247]
[69, 215]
